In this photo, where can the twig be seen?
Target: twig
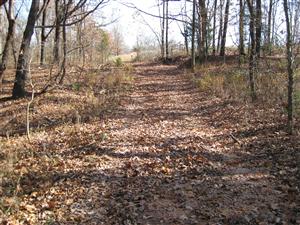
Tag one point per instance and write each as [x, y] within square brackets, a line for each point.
[235, 139]
[28, 107]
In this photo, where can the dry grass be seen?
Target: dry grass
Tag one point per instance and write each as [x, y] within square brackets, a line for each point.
[230, 81]
[86, 96]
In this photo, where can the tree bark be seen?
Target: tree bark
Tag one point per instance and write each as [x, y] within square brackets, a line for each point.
[1, 30]
[203, 29]
[193, 37]
[163, 31]
[9, 39]
[253, 56]
[258, 19]
[2, 2]
[220, 25]
[58, 19]
[24, 53]
[241, 31]
[269, 44]
[43, 36]
[167, 30]
[223, 41]
[214, 27]
[186, 32]
[64, 34]
[290, 70]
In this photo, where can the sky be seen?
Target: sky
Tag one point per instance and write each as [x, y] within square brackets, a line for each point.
[132, 25]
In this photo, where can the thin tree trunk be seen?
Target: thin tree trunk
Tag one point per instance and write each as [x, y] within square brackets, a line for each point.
[56, 53]
[274, 14]
[1, 30]
[163, 31]
[290, 70]
[24, 53]
[14, 53]
[221, 25]
[186, 33]
[43, 36]
[186, 41]
[193, 37]
[9, 39]
[64, 34]
[167, 30]
[203, 30]
[258, 27]
[2, 2]
[214, 27]
[223, 41]
[269, 44]
[241, 32]
[79, 41]
[253, 57]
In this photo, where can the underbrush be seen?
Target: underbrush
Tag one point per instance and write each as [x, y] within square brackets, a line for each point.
[232, 82]
[102, 92]
[85, 97]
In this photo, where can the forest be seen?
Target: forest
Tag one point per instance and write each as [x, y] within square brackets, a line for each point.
[172, 112]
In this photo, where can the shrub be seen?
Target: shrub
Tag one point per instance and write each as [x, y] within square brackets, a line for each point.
[230, 81]
[118, 62]
[76, 86]
[222, 85]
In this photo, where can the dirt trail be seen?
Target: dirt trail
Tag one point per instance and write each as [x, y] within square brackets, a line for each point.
[165, 157]
[179, 170]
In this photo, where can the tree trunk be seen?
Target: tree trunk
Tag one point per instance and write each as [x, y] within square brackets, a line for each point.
[163, 31]
[214, 27]
[223, 41]
[2, 2]
[253, 57]
[258, 19]
[9, 39]
[290, 70]
[269, 44]
[203, 29]
[241, 32]
[58, 19]
[167, 30]
[220, 25]
[64, 34]
[24, 53]
[193, 37]
[186, 32]
[1, 30]
[186, 41]
[64, 61]
[43, 36]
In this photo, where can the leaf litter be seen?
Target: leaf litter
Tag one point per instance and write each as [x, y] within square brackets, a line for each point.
[167, 155]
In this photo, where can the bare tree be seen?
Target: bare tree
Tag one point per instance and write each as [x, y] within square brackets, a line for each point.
[214, 27]
[223, 40]
[24, 53]
[43, 35]
[269, 26]
[2, 2]
[117, 40]
[167, 29]
[163, 21]
[193, 36]
[258, 25]
[241, 30]
[58, 20]
[220, 32]
[203, 29]
[290, 66]
[253, 53]
[9, 38]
